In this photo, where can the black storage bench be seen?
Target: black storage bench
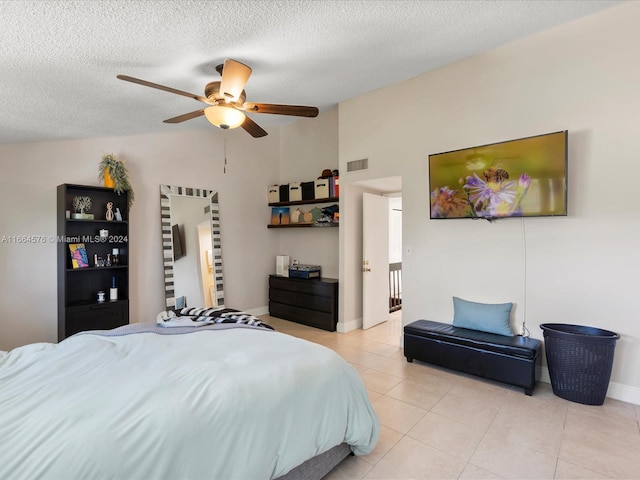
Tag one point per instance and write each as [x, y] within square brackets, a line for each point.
[513, 360]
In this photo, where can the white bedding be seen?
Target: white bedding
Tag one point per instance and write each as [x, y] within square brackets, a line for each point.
[234, 403]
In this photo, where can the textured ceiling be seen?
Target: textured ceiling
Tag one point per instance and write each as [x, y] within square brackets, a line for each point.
[59, 59]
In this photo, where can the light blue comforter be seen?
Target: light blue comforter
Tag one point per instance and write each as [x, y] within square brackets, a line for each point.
[215, 404]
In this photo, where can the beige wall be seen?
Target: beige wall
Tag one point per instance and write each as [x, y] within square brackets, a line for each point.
[579, 269]
[308, 147]
[31, 172]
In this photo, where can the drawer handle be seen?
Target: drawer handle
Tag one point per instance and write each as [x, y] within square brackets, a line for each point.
[99, 307]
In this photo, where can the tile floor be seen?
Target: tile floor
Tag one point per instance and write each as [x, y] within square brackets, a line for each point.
[439, 424]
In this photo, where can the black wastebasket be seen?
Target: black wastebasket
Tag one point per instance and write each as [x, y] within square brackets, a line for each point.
[579, 360]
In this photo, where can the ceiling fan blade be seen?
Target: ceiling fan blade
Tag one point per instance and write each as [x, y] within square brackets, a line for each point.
[166, 89]
[295, 110]
[234, 78]
[253, 128]
[185, 117]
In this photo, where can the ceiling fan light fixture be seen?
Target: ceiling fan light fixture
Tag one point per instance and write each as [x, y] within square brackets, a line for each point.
[234, 78]
[224, 117]
[225, 100]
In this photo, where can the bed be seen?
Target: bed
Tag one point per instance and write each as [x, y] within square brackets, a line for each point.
[217, 401]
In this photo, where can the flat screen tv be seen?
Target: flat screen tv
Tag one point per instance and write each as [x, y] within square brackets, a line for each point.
[178, 242]
[526, 177]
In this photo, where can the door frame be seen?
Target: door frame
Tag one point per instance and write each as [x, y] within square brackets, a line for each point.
[350, 249]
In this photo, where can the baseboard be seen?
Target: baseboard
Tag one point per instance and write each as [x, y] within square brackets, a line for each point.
[344, 327]
[544, 375]
[623, 392]
[617, 391]
[256, 312]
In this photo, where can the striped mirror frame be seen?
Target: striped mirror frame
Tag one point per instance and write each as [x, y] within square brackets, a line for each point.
[167, 192]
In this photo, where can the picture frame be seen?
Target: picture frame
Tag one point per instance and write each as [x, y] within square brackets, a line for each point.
[79, 257]
[280, 216]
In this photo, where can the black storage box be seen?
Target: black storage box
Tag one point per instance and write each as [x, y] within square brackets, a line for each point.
[513, 360]
[284, 193]
[308, 190]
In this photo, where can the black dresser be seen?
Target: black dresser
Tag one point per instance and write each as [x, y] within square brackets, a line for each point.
[312, 302]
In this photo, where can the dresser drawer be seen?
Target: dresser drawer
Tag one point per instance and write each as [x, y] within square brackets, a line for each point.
[312, 302]
[104, 316]
[313, 318]
[309, 286]
[304, 300]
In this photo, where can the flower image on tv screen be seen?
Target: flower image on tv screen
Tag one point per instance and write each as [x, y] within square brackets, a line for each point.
[526, 177]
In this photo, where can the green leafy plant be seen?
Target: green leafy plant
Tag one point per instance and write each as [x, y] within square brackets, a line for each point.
[118, 172]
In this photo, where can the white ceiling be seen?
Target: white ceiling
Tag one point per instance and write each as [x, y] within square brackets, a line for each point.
[59, 59]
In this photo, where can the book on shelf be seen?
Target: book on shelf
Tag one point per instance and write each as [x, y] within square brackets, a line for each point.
[334, 186]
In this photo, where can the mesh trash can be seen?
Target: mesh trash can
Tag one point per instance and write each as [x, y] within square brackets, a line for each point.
[579, 360]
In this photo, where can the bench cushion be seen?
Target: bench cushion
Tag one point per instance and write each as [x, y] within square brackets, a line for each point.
[517, 346]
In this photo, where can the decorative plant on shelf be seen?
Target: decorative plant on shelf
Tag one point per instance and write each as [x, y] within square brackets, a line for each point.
[113, 173]
[82, 204]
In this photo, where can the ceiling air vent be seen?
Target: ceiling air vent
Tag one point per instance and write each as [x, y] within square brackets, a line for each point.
[361, 164]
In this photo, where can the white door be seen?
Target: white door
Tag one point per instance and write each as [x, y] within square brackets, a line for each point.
[205, 263]
[375, 260]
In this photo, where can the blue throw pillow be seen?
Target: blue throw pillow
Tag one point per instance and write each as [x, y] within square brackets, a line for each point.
[492, 318]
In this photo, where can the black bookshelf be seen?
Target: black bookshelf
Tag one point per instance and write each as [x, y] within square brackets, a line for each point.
[78, 305]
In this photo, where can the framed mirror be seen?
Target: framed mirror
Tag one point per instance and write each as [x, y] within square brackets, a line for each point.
[190, 222]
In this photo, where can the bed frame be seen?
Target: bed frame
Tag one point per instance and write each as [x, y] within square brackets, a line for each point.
[317, 467]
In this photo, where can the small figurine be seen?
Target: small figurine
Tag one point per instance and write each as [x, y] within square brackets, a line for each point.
[109, 211]
[118, 215]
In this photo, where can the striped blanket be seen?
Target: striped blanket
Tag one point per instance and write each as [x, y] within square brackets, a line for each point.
[195, 317]
[207, 319]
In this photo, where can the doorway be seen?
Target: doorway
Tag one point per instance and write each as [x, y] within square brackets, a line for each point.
[381, 234]
[351, 243]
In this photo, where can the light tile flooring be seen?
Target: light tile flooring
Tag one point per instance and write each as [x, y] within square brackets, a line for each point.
[436, 423]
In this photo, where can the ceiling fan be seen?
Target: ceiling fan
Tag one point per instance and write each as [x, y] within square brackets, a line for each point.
[226, 101]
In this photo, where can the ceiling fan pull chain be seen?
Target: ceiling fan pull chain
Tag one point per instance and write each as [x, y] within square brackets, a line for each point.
[224, 170]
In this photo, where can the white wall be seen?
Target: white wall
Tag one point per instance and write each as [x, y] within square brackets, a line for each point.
[580, 269]
[308, 147]
[31, 172]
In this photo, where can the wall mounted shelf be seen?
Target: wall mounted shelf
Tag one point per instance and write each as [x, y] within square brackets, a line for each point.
[305, 202]
[305, 225]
